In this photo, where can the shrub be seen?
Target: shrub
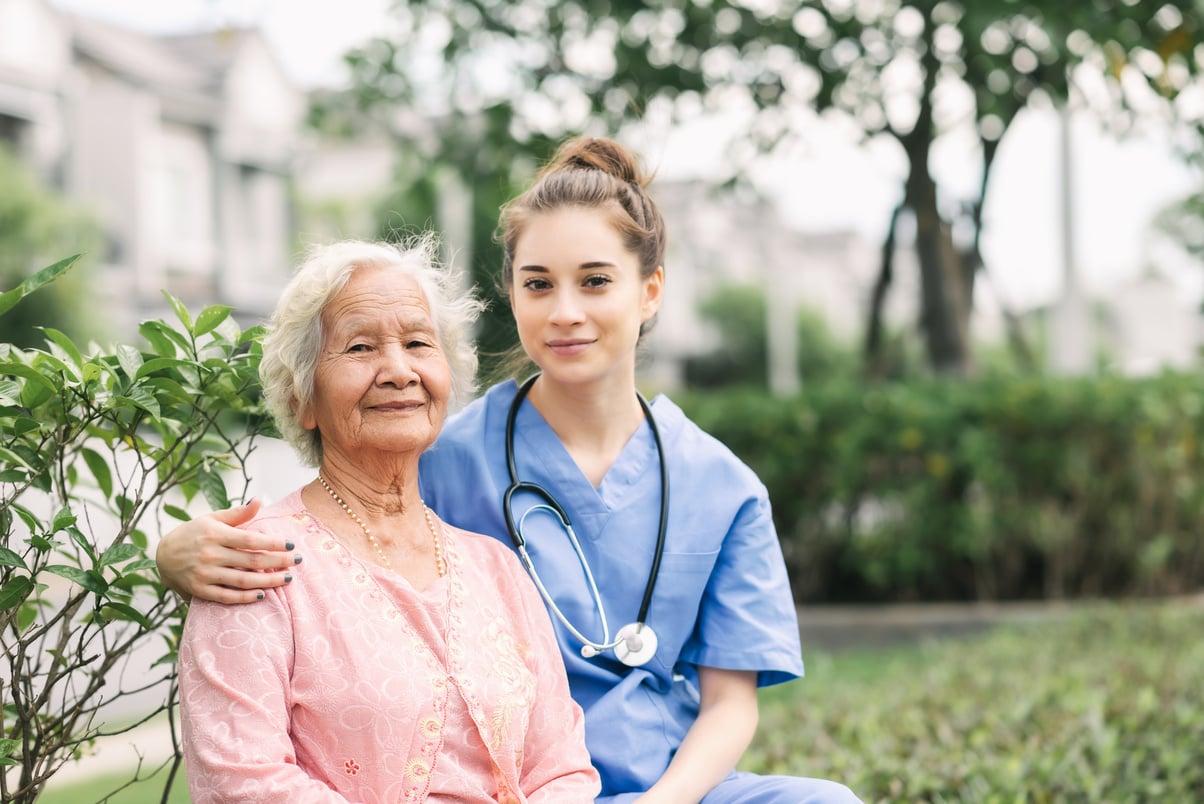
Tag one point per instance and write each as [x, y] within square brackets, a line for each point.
[1000, 488]
[94, 448]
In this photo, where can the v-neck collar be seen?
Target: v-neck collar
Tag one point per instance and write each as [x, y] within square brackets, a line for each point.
[636, 464]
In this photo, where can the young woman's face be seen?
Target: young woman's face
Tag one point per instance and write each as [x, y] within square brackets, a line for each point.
[382, 381]
[578, 297]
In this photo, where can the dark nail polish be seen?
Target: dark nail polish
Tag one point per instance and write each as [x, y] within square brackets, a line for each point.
[259, 595]
[297, 559]
[288, 578]
[289, 545]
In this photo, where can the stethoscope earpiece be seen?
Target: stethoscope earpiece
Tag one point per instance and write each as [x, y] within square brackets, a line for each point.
[636, 643]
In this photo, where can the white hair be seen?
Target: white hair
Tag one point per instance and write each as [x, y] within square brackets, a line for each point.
[293, 341]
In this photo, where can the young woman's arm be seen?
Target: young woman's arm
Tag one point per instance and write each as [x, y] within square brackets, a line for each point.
[211, 558]
[727, 720]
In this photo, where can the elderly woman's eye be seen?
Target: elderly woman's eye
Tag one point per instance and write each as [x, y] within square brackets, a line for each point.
[358, 347]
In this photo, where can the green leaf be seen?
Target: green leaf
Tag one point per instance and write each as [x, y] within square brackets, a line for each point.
[161, 363]
[130, 360]
[34, 395]
[27, 516]
[156, 334]
[10, 391]
[9, 298]
[121, 611]
[100, 470]
[7, 456]
[24, 424]
[210, 318]
[87, 579]
[29, 373]
[63, 519]
[10, 559]
[68, 347]
[79, 538]
[139, 565]
[15, 591]
[28, 613]
[176, 512]
[252, 335]
[144, 399]
[180, 310]
[118, 553]
[213, 487]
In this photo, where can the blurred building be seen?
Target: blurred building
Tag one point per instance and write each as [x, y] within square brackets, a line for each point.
[182, 146]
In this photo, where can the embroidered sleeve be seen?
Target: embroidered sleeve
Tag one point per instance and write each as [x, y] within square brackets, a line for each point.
[234, 691]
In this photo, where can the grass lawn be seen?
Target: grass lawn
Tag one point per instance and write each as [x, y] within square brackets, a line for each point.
[149, 791]
[1103, 706]
[1106, 705]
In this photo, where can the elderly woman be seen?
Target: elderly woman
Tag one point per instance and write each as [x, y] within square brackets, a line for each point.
[412, 661]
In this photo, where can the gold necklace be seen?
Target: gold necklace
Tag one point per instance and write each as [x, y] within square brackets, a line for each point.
[440, 563]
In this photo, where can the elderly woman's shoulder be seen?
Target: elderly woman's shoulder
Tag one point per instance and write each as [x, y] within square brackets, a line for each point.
[288, 515]
[480, 551]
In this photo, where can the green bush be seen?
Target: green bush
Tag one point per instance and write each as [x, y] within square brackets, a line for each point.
[95, 448]
[1000, 488]
[1101, 706]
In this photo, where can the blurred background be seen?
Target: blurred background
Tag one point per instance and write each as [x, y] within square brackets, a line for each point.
[935, 271]
[934, 268]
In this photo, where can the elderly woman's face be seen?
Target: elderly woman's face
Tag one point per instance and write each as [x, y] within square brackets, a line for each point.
[382, 380]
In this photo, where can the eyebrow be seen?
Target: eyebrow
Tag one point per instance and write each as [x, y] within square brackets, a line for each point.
[585, 266]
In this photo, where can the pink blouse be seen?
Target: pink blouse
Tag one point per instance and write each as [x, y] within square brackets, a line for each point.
[348, 685]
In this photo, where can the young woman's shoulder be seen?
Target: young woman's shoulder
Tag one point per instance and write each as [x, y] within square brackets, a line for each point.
[688, 442]
[484, 414]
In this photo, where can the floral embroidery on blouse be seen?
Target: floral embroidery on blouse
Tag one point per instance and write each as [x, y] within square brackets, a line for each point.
[351, 767]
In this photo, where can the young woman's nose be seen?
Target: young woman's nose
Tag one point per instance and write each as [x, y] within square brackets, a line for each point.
[566, 308]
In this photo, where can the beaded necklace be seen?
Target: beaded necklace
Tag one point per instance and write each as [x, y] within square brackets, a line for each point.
[440, 562]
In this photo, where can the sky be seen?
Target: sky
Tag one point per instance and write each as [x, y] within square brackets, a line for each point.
[834, 184]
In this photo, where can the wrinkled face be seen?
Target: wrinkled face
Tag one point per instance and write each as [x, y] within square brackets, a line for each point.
[382, 381]
[578, 298]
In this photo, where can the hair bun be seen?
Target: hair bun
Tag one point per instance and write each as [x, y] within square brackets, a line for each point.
[599, 153]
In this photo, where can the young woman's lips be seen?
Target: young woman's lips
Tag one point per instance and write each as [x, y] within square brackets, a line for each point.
[568, 348]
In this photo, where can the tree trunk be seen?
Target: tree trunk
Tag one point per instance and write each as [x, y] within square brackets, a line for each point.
[944, 308]
[875, 327]
[944, 304]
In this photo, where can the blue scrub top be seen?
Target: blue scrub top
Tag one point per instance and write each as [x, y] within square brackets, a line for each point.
[722, 598]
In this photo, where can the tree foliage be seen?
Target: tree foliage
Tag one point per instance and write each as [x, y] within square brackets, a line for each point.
[95, 449]
[500, 79]
[35, 226]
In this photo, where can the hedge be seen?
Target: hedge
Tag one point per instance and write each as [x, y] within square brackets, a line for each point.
[1001, 488]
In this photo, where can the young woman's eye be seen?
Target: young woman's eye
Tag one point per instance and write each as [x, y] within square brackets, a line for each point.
[537, 284]
[597, 281]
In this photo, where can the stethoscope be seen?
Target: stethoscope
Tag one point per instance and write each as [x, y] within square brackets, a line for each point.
[635, 643]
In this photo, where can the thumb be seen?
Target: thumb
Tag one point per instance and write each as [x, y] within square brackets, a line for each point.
[238, 514]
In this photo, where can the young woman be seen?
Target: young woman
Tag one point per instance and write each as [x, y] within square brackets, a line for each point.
[624, 512]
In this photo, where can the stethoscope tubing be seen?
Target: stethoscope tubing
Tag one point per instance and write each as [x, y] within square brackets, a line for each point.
[549, 503]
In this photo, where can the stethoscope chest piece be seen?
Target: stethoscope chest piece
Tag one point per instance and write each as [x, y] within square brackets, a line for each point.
[637, 644]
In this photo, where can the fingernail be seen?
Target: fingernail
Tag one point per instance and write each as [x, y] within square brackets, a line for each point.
[288, 578]
[289, 545]
[297, 559]
[259, 595]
